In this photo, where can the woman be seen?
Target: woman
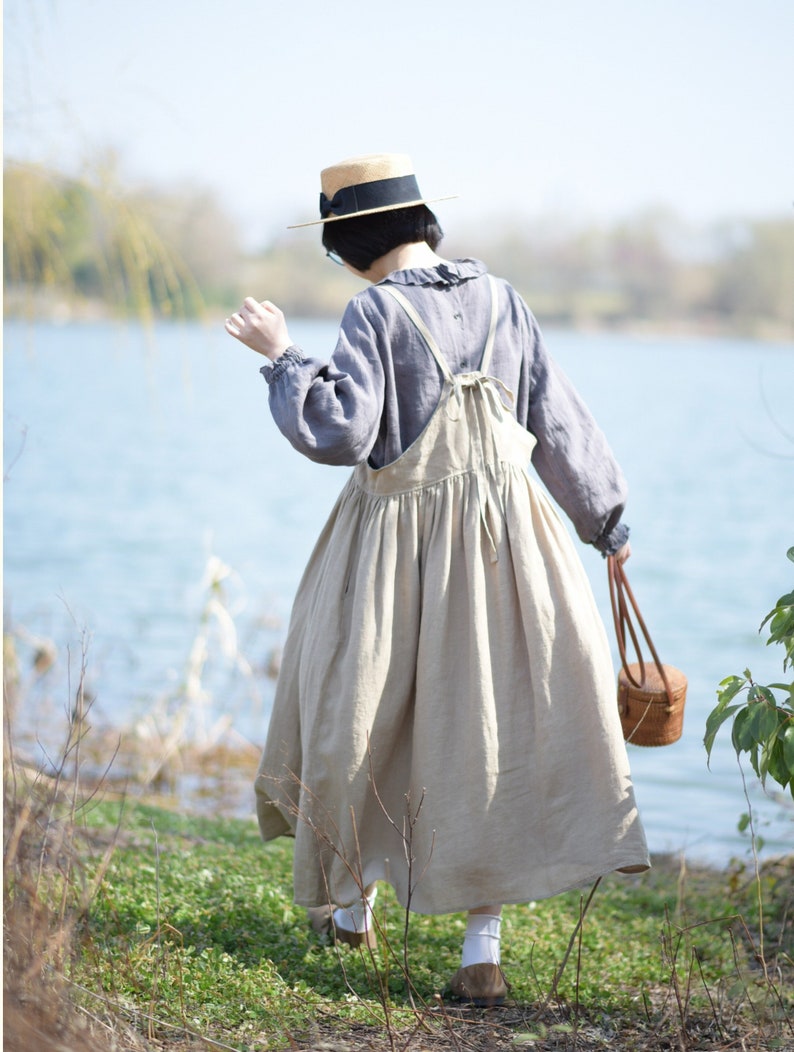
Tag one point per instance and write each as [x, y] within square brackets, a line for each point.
[445, 717]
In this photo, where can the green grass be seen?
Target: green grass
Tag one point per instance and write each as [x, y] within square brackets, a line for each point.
[193, 930]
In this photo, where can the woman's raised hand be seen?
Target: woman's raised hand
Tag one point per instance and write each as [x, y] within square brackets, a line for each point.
[260, 326]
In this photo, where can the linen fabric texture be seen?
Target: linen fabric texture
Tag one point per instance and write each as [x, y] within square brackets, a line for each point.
[445, 714]
[380, 387]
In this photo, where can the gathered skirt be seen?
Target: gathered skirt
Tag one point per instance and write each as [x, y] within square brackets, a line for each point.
[445, 717]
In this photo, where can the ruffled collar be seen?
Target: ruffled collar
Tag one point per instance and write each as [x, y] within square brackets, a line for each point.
[451, 272]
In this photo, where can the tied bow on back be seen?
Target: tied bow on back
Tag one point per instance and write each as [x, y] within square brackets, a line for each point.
[489, 401]
[487, 385]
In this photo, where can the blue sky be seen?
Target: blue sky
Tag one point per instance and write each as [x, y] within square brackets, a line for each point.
[565, 107]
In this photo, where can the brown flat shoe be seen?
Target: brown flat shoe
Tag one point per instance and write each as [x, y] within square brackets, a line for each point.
[482, 985]
[321, 919]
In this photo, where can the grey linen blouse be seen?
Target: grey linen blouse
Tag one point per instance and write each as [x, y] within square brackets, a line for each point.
[380, 387]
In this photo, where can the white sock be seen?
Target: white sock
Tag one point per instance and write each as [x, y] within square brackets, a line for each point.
[481, 943]
[357, 917]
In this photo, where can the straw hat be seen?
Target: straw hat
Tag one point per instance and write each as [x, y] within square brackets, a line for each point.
[361, 186]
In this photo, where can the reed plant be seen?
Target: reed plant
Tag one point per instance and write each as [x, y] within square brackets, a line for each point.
[91, 244]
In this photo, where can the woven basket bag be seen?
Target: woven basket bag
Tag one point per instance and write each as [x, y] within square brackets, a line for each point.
[651, 697]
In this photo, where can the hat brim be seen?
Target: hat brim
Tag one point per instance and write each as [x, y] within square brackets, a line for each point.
[373, 211]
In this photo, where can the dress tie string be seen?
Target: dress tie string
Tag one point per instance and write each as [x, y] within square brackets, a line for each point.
[491, 398]
[487, 385]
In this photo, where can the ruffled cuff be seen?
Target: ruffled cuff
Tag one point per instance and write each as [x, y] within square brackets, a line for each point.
[273, 371]
[609, 543]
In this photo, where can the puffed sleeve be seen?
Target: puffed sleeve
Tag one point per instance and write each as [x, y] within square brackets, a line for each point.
[330, 411]
[572, 456]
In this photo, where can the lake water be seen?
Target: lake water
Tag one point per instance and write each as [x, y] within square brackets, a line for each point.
[132, 458]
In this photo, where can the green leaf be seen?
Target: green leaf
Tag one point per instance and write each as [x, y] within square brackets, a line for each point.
[763, 723]
[754, 760]
[760, 732]
[790, 554]
[771, 759]
[714, 721]
[786, 737]
[767, 762]
[744, 822]
[741, 735]
[730, 688]
[775, 765]
[781, 620]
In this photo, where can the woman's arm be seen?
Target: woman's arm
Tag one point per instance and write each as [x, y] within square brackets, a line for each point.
[329, 411]
[572, 456]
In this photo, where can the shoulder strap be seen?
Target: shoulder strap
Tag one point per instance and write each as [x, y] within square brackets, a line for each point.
[410, 310]
[488, 351]
[435, 350]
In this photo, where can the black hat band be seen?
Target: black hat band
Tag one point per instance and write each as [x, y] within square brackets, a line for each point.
[364, 197]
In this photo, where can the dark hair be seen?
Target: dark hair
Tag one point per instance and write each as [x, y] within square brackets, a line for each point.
[361, 240]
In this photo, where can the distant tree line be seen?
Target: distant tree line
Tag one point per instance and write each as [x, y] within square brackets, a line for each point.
[652, 269]
[91, 246]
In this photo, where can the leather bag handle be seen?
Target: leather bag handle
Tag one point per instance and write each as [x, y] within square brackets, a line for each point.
[619, 591]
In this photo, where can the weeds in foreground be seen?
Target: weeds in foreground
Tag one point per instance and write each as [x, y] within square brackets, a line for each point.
[165, 929]
[47, 890]
[135, 927]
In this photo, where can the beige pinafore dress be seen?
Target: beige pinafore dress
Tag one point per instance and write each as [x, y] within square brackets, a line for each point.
[445, 715]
